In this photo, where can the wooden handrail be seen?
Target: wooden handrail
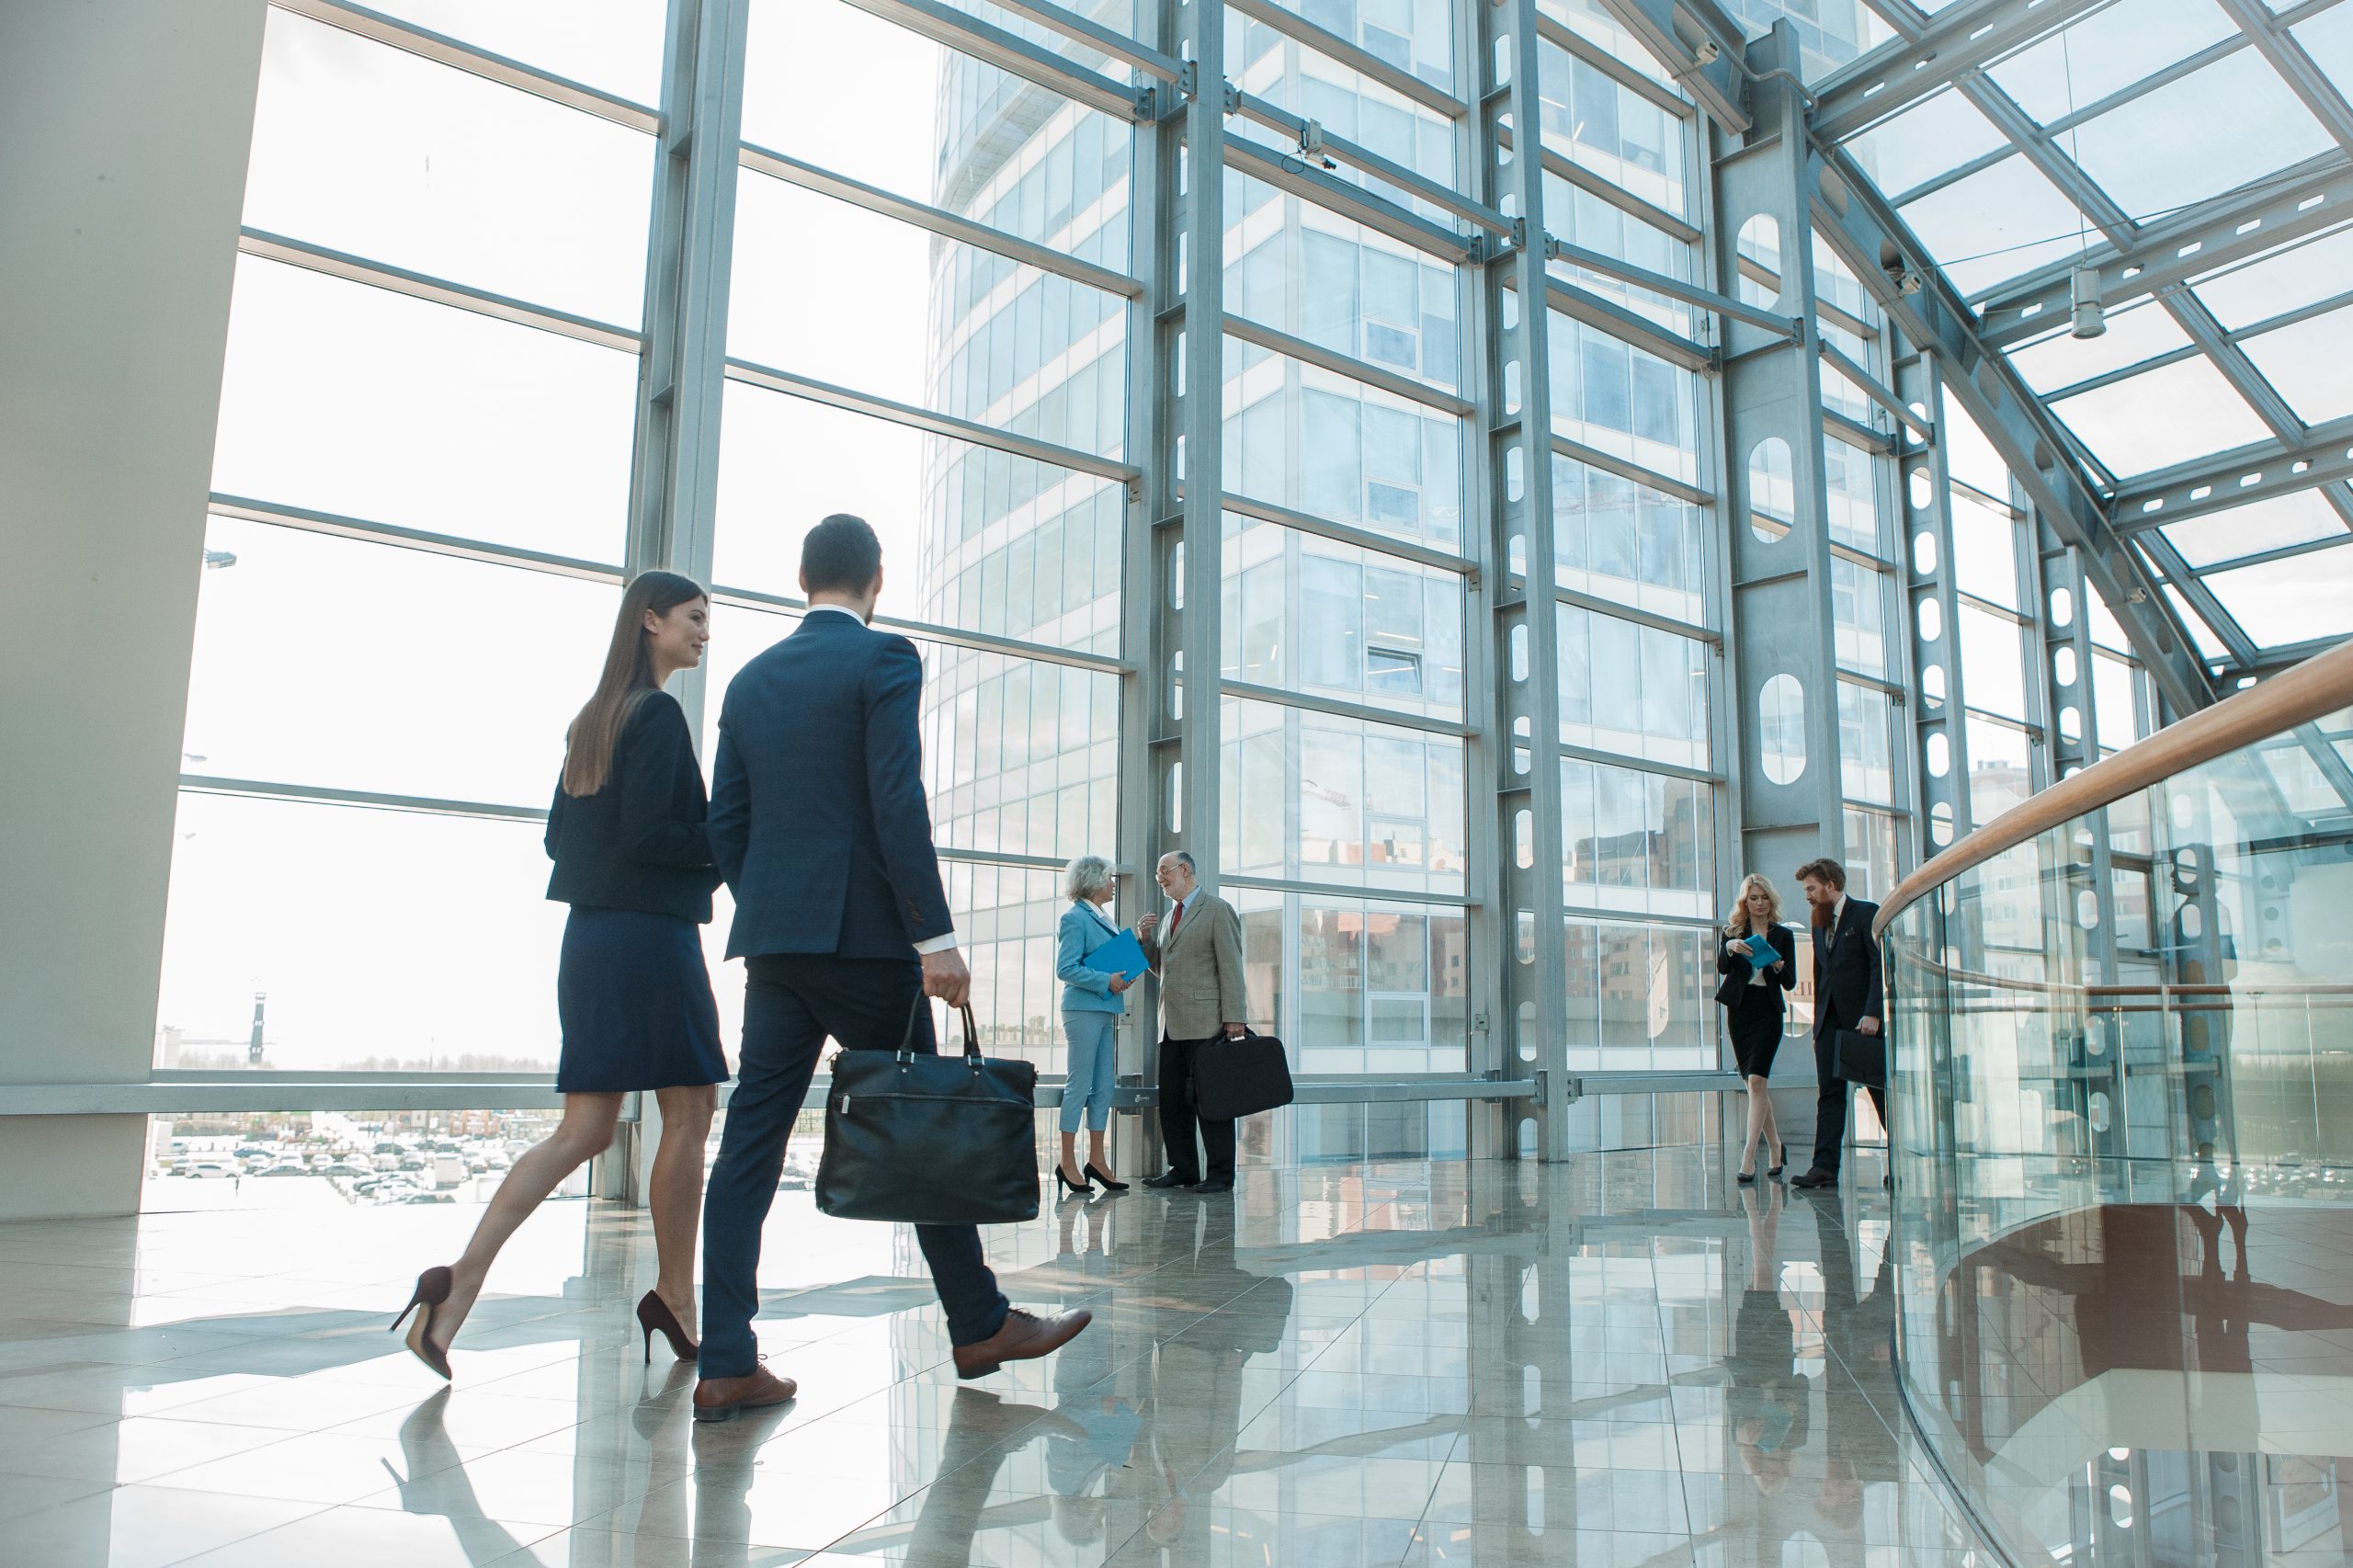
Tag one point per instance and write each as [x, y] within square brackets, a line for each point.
[2321, 685]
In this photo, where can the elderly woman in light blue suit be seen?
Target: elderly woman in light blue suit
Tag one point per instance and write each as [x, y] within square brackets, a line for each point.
[1092, 1002]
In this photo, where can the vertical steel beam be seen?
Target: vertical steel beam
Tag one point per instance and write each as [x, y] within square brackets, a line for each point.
[1517, 595]
[690, 250]
[1781, 621]
[673, 469]
[2095, 1045]
[1189, 298]
[1491, 1128]
[1929, 581]
[1150, 632]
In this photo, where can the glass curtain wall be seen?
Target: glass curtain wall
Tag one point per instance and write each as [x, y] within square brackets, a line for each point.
[420, 512]
[1635, 564]
[933, 292]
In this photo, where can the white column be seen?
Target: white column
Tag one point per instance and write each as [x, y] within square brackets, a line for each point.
[124, 128]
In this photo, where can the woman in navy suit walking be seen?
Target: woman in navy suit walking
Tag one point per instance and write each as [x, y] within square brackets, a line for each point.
[632, 857]
[1092, 1002]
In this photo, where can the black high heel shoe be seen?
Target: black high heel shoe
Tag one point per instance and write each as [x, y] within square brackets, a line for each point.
[1745, 1178]
[1063, 1184]
[432, 1290]
[1781, 1164]
[654, 1316]
[1107, 1183]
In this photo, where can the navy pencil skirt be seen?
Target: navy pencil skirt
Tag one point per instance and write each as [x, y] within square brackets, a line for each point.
[633, 996]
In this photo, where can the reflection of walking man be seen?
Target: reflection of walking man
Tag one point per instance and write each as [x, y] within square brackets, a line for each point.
[1199, 959]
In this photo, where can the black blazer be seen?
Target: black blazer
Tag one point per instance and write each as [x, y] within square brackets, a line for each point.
[818, 819]
[638, 843]
[1846, 972]
[1737, 994]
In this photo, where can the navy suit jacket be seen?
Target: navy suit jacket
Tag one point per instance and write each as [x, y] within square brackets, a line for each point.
[818, 821]
[1846, 972]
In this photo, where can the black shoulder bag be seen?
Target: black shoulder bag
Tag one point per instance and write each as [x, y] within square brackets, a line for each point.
[929, 1140]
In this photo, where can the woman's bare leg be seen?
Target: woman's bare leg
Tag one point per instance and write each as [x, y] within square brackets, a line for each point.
[1098, 1149]
[1762, 1094]
[1070, 1159]
[585, 1131]
[677, 1193]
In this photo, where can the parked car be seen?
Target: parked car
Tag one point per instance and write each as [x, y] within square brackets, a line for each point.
[286, 1168]
[340, 1168]
[423, 1197]
[389, 1147]
[206, 1170]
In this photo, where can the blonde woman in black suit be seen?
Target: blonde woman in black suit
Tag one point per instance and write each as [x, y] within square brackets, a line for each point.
[1751, 995]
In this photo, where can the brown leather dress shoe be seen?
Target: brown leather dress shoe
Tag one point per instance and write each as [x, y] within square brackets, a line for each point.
[1024, 1338]
[723, 1399]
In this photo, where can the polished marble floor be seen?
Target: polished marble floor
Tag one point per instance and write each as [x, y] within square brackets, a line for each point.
[1624, 1359]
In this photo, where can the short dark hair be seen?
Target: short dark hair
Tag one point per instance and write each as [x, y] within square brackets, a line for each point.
[1826, 870]
[1182, 858]
[841, 555]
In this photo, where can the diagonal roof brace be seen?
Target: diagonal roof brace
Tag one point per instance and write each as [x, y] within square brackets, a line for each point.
[1856, 222]
[1957, 39]
[2232, 227]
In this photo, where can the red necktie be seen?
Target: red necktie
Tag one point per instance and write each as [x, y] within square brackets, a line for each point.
[1175, 915]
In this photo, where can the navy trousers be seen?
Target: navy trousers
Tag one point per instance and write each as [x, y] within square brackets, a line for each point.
[792, 1002]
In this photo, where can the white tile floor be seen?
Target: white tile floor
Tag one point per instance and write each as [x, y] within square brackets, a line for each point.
[1345, 1365]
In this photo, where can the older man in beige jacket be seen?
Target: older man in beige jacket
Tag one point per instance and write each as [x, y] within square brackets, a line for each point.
[1199, 960]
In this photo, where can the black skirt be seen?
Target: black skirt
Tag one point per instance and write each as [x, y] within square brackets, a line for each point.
[633, 996]
[1754, 1025]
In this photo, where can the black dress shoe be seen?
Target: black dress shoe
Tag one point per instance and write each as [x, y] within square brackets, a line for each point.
[1214, 1185]
[1817, 1177]
[1170, 1178]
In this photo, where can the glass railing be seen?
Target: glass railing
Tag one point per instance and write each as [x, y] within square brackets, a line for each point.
[2123, 1108]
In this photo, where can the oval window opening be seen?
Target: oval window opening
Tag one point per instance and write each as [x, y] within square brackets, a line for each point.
[1780, 728]
[1772, 489]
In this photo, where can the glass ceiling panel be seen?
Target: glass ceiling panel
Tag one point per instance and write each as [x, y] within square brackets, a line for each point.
[2296, 519]
[1996, 224]
[2293, 600]
[2302, 274]
[2107, 52]
[2161, 417]
[2213, 131]
[2329, 38]
[2136, 333]
[2210, 647]
[2310, 364]
[1942, 133]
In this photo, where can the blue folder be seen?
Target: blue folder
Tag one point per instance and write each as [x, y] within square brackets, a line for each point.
[1122, 956]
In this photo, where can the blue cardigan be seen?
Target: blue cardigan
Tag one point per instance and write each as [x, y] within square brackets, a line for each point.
[1085, 990]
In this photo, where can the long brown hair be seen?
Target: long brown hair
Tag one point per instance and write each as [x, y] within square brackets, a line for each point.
[628, 679]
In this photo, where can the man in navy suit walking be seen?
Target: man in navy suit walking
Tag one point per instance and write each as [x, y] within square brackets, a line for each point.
[819, 824]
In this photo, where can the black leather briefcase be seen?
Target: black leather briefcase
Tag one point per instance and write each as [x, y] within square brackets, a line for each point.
[1862, 1058]
[1240, 1077]
[929, 1140]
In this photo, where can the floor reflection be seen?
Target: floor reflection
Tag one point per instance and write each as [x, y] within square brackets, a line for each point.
[1624, 1358]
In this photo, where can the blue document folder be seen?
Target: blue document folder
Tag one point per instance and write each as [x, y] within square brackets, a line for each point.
[1760, 951]
[1122, 956]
